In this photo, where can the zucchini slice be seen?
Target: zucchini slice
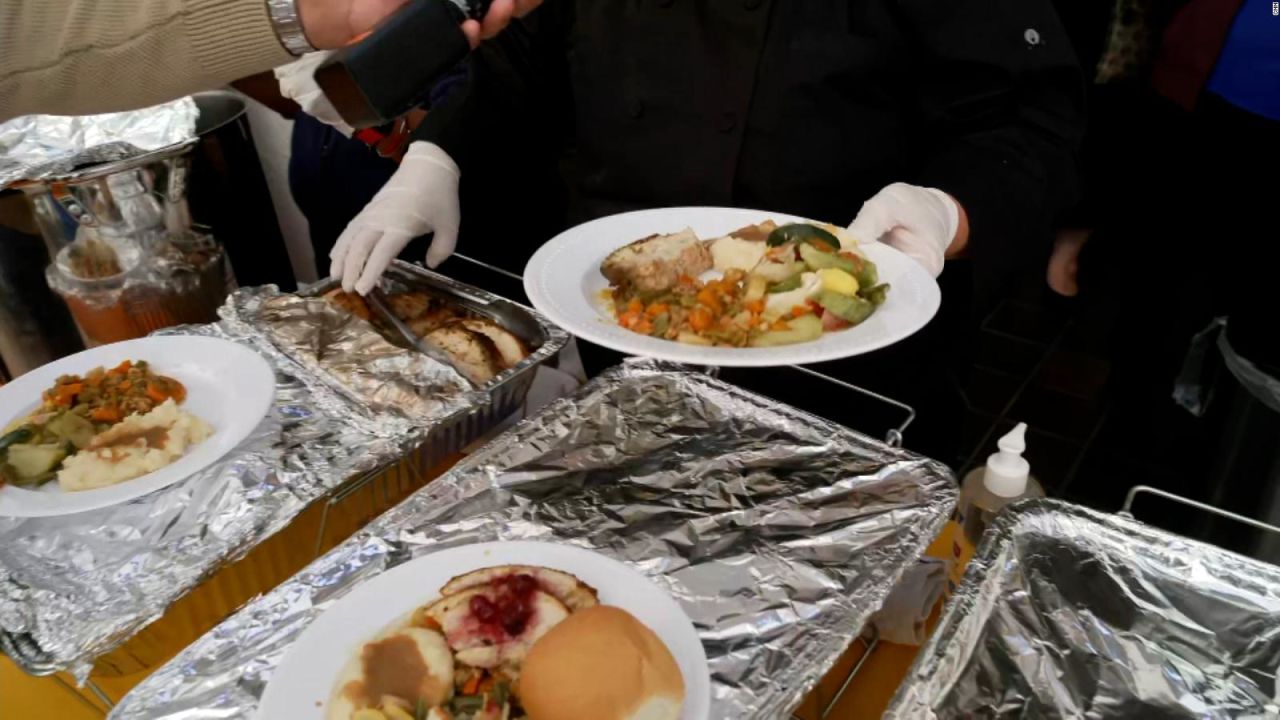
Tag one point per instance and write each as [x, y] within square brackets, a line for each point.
[850, 308]
[801, 329]
[801, 233]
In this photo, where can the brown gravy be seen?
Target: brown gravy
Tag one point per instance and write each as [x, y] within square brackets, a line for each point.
[392, 666]
[156, 437]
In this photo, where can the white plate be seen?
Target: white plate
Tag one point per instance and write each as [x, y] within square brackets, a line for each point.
[228, 386]
[564, 283]
[301, 685]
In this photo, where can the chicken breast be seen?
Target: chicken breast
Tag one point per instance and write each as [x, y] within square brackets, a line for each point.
[490, 642]
[511, 348]
[656, 263]
[473, 354]
[566, 588]
[432, 319]
[409, 305]
[350, 302]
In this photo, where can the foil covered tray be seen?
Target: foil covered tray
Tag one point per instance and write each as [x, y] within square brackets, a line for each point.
[1069, 613]
[75, 587]
[778, 532]
[40, 147]
[539, 336]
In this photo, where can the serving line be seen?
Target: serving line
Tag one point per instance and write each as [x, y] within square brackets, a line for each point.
[779, 534]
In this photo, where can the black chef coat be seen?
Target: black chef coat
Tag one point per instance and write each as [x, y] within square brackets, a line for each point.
[800, 106]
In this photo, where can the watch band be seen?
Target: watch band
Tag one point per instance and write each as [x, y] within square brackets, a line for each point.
[288, 26]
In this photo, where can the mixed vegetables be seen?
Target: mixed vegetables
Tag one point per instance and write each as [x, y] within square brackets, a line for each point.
[73, 412]
[475, 698]
[802, 285]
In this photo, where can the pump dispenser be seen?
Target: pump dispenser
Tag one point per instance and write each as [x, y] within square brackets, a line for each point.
[1004, 480]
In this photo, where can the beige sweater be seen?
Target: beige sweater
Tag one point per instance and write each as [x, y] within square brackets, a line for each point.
[76, 57]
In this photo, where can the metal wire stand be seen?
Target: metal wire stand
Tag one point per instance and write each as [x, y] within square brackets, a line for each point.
[870, 641]
[1136, 490]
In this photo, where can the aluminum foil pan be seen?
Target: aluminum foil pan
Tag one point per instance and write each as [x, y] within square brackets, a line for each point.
[397, 389]
[1069, 613]
[40, 147]
[778, 532]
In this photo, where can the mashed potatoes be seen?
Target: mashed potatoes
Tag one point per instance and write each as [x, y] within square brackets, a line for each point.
[138, 445]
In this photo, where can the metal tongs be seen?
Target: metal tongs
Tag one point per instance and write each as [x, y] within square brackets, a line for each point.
[421, 344]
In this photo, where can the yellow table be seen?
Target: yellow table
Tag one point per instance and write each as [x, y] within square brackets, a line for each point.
[263, 568]
[271, 563]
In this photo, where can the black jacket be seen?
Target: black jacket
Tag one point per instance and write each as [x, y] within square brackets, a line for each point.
[799, 106]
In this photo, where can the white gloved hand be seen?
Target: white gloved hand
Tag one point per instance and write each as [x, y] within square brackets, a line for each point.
[421, 197]
[921, 222]
[298, 83]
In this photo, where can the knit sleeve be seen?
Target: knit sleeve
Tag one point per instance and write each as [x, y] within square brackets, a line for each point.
[75, 57]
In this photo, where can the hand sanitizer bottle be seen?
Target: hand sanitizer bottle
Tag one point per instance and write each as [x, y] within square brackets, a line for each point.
[1006, 479]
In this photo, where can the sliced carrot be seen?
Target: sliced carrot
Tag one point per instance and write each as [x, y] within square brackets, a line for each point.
[754, 306]
[636, 305]
[801, 310]
[177, 390]
[779, 325]
[700, 319]
[65, 394]
[707, 296]
[656, 309]
[109, 413]
[629, 319]
[122, 368]
[472, 685]
[156, 393]
[125, 384]
[644, 327]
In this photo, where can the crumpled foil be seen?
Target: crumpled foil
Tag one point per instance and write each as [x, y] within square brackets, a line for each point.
[779, 534]
[38, 147]
[1069, 613]
[77, 586]
[399, 389]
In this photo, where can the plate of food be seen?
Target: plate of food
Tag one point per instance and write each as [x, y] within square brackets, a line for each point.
[111, 424]
[497, 631]
[728, 287]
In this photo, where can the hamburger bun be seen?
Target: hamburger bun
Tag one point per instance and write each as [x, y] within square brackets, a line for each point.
[600, 663]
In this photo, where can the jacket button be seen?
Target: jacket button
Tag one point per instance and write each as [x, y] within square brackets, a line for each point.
[635, 109]
[752, 4]
[727, 122]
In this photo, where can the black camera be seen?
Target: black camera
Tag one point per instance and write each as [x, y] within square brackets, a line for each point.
[384, 75]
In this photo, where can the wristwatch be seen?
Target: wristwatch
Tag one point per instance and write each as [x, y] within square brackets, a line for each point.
[288, 26]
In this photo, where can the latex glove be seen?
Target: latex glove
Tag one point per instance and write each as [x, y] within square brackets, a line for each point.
[921, 222]
[298, 83]
[421, 197]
